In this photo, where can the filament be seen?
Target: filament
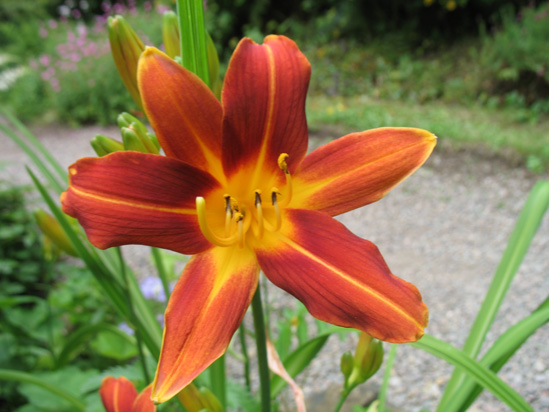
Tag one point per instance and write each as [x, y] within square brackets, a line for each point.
[205, 228]
[259, 213]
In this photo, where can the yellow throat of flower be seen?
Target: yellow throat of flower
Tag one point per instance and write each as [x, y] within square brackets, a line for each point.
[242, 214]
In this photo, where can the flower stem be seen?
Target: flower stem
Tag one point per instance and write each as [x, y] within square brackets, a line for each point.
[161, 269]
[246, 362]
[261, 343]
[386, 376]
[342, 398]
[217, 381]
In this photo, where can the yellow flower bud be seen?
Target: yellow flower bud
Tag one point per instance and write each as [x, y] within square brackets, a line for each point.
[210, 401]
[196, 400]
[51, 228]
[126, 48]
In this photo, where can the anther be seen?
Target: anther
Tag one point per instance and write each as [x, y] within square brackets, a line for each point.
[228, 214]
[259, 210]
[276, 208]
[282, 162]
[284, 167]
[239, 217]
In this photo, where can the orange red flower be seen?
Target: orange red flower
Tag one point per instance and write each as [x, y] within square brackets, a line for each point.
[237, 190]
[119, 395]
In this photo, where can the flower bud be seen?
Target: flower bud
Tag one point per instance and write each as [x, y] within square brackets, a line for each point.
[53, 231]
[210, 401]
[137, 141]
[125, 120]
[103, 145]
[149, 140]
[347, 364]
[196, 400]
[367, 360]
[170, 34]
[126, 48]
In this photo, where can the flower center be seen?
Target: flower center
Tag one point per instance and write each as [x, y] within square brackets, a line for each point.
[252, 212]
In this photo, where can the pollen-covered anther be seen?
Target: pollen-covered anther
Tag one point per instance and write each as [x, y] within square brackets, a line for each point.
[283, 165]
[239, 217]
[228, 214]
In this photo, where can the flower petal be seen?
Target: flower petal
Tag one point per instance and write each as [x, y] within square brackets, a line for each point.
[183, 112]
[359, 168]
[341, 278]
[143, 403]
[205, 309]
[136, 198]
[264, 104]
[117, 395]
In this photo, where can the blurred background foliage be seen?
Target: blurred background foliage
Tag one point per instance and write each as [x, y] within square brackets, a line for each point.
[492, 55]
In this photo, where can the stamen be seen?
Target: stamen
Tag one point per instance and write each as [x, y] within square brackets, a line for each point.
[204, 227]
[228, 214]
[277, 209]
[240, 222]
[259, 213]
[284, 167]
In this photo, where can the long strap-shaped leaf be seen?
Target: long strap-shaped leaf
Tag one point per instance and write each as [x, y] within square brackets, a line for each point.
[519, 242]
[475, 370]
[500, 352]
[11, 375]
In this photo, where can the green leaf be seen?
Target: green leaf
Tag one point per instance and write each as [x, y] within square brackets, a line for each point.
[297, 361]
[500, 352]
[284, 339]
[194, 54]
[115, 344]
[526, 227]
[44, 389]
[475, 370]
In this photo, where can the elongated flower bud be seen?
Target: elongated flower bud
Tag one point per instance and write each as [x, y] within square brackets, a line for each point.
[103, 145]
[195, 400]
[137, 141]
[170, 34]
[367, 360]
[149, 140]
[53, 231]
[347, 364]
[126, 47]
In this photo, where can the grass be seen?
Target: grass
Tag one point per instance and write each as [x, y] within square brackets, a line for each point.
[497, 130]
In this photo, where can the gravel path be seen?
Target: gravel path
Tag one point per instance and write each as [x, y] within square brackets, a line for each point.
[444, 230]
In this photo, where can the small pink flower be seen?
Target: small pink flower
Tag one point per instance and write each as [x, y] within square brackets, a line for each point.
[76, 14]
[52, 24]
[105, 6]
[43, 32]
[147, 6]
[45, 60]
[33, 65]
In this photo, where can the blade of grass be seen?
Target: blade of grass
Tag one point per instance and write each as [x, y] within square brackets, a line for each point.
[517, 246]
[53, 181]
[62, 173]
[11, 375]
[475, 370]
[193, 38]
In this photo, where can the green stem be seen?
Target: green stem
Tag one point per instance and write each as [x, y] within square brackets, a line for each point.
[386, 376]
[246, 362]
[132, 316]
[217, 381]
[261, 343]
[344, 394]
[161, 269]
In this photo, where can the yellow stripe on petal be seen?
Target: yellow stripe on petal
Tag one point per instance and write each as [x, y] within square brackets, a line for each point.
[341, 278]
[205, 309]
[359, 168]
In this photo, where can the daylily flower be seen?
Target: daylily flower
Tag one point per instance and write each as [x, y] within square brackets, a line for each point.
[237, 191]
[119, 395]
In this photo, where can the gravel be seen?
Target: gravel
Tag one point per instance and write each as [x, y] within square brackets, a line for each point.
[444, 230]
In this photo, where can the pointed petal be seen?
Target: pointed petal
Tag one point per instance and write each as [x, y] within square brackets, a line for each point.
[341, 278]
[117, 395]
[359, 168]
[183, 112]
[143, 402]
[205, 309]
[264, 104]
[135, 198]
